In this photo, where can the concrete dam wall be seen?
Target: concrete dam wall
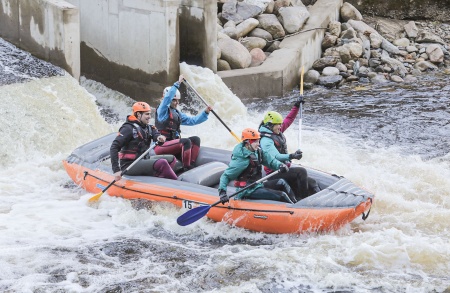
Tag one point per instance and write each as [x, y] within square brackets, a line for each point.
[135, 46]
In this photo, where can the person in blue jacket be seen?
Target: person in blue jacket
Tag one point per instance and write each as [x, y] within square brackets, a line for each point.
[169, 119]
[274, 142]
[246, 168]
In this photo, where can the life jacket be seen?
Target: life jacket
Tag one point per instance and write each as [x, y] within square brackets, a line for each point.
[253, 171]
[170, 127]
[139, 144]
[279, 141]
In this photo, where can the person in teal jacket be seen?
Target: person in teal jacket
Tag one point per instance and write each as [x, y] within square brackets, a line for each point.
[246, 167]
[274, 142]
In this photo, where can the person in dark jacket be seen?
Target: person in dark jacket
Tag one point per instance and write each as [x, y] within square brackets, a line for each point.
[246, 167]
[274, 142]
[133, 139]
[169, 119]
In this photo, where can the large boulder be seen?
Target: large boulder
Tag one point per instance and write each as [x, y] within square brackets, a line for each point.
[239, 11]
[270, 23]
[293, 18]
[246, 26]
[349, 11]
[234, 53]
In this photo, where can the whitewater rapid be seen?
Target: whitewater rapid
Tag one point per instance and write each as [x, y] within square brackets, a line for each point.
[53, 241]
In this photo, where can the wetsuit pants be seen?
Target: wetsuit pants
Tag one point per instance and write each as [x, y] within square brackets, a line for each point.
[277, 190]
[155, 166]
[297, 177]
[187, 148]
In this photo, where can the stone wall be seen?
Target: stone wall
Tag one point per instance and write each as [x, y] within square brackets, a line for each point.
[435, 10]
[48, 29]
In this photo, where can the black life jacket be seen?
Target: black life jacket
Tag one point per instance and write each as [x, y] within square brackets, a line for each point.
[279, 141]
[253, 172]
[171, 126]
[137, 146]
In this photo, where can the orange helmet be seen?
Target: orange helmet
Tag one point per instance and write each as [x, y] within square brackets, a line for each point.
[141, 107]
[250, 133]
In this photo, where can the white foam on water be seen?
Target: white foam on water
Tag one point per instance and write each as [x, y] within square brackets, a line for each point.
[51, 239]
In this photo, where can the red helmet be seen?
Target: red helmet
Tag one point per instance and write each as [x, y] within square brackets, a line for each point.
[250, 133]
[141, 107]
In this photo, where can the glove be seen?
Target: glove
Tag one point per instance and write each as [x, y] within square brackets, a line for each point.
[297, 155]
[283, 168]
[299, 101]
[223, 196]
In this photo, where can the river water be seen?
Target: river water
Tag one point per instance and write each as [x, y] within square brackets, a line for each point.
[392, 139]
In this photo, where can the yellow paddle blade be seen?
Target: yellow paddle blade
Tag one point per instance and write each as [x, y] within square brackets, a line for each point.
[96, 197]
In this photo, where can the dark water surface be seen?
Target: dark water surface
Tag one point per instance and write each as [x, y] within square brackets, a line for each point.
[414, 117]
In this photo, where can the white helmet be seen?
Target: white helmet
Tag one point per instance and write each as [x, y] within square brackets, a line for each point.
[177, 95]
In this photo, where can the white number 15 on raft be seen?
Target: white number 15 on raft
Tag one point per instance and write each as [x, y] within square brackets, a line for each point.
[189, 205]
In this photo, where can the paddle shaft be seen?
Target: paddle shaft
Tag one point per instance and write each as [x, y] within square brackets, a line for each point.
[215, 114]
[301, 110]
[97, 196]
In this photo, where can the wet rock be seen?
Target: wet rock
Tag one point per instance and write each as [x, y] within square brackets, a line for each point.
[396, 65]
[425, 66]
[341, 67]
[258, 57]
[274, 46]
[330, 81]
[352, 78]
[334, 28]
[389, 47]
[293, 18]
[223, 65]
[328, 41]
[246, 26]
[323, 62]
[375, 40]
[349, 11]
[379, 78]
[403, 42]
[253, 42]
[435, 53]
[230, 31]
[396, 78]
[328, 71]
[348, 34]
[312, 76]
[270, 23]
[239, 11]
[234, 53]
[260, 33]
[411, 29]
[279, 4]
[428, 37]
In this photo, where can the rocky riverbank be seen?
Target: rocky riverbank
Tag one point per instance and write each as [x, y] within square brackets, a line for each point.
[378, 50]
[355, 48]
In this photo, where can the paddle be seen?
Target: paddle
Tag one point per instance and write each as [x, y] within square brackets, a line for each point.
[98, 195]
[301, 110]
[196, 214]
[198, 95]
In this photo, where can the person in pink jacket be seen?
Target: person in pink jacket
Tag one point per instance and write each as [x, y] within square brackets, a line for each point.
[274, 142]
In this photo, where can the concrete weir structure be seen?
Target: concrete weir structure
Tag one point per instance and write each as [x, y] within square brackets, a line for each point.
[135, 46]
[280, 72]
[48, 29]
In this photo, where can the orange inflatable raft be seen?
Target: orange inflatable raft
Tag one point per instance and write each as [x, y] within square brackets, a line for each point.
[338, 203]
